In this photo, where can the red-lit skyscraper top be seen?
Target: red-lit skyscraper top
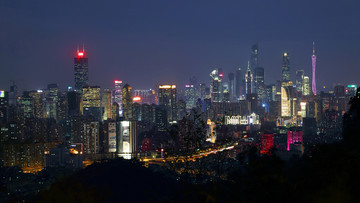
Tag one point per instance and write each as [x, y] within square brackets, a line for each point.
[81, 70]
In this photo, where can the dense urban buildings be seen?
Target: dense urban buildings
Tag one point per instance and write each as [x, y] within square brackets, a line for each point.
[72, 128]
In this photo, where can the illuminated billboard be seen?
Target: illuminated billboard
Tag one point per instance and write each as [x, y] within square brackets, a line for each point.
[2, 93]
[112, 136]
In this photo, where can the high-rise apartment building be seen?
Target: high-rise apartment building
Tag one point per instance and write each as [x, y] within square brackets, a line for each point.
[127, 101]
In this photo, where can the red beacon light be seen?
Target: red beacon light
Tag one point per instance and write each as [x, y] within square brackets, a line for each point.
[80, 54]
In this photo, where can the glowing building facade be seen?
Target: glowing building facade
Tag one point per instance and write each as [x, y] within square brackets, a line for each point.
[216, 88]
[167, 97]
[286, 68]
[248, 80]
[127, 101]
[127, 141]
[313, 59]
[267, 143]
[288, 100]
[307, 88]
[118, 95]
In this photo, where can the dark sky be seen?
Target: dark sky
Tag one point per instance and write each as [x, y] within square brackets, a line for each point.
[158, 41]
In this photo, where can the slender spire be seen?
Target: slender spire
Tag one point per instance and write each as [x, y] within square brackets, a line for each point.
[77, 48]
[313, 47]
[248, 65]
[83, 47]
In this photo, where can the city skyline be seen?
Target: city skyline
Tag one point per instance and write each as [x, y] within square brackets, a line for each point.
[177, 48]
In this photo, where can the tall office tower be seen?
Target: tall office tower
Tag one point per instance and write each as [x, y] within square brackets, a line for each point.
[313, 59]
[37, 101]
[52, 100]
[202, 91]
[238, 83]
[61, 107]
[92, 102]
[216, 85]
[81, 70]
[27, 104]
[300, 81]
[114, 111]
[74, 103]
[232, 85]
[118, 95]
[248, 80]
[106, 103]
[167, 98]
[270, 93]
[4, 103]
[190, 96]
[254, 57]
[260, 84]
[127, 101]
[307, 89]
[288, 100]
[193, 81]
[127, 141]
[286, 68]
[13, 94]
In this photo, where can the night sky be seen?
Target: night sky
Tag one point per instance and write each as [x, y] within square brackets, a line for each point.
[148, 42]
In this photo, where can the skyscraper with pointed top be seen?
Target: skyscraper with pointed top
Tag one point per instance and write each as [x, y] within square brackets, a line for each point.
[313, 58]
[81, 71]
[248, 79]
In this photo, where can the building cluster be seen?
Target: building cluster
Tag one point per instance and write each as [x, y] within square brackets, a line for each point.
[49, 127]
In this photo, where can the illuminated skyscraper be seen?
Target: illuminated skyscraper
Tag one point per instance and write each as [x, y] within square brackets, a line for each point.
[288, 100]
[239, 83]
[52, 99]
[189, 93]
[254, 56]
[167, 97]
[4, 103]
[248, 80]
[231, 85]
[37, 102]
[300, 81]
[307, 89]
[216, 85]
[127, 141]
[127, 101]
[81, 70]
[118, 95]
[92, 102]
[106, 103]
[286, 68]
[259, 83]
[313, 58]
